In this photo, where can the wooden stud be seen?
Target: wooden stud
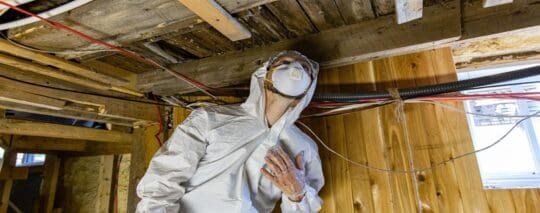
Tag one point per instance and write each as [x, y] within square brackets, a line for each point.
[143, 149]
[50, 181]
[105, 182]
[136, 169]
[408, 10]
[20, 127]
[9, 160]
[211, 12]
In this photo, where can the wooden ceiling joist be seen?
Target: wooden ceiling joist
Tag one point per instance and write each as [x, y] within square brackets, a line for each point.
[68, 66]
[58, 74]
[211, 12]
[367, 40]
[131, 29]
[442, 25]
[115, 111]
[30, 128]
[30, 99]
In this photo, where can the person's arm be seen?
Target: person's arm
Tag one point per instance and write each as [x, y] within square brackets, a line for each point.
[160, 188]
[310, 202]
[299, 181]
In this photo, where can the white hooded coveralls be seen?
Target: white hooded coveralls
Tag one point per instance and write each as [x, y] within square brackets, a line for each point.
[212, 161]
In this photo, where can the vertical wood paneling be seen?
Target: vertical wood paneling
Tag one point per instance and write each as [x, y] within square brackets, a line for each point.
[341, 182]
[403, 191]
[376, 137]
[359, 177]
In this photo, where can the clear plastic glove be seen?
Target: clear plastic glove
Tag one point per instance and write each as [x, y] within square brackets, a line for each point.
[287, 175]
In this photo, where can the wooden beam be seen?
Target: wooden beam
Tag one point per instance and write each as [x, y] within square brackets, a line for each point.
[14, 173]
[482, 23]
[111, 108]
[68, 66]
[211, 12]
[69, 146]
[114, 71]
[20, 127]
[345, 45]
[54, 73]
[47, 71]
[408, 10]
[500, 61]
[50, 181]
[69, 112]
[492, 3]
[29, 99]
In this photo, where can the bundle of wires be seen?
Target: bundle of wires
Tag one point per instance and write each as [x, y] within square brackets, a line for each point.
[333, 104]
[337, 103]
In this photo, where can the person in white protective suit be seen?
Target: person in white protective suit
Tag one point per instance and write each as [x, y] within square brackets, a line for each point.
[242, 158]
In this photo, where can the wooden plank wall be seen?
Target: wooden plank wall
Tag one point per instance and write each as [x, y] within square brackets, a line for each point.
[377, 138]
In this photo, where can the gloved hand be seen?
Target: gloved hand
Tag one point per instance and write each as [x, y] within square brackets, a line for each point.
[287, 176]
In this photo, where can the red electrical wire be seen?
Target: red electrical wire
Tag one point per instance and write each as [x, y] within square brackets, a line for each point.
[160, 123]
[125, 52]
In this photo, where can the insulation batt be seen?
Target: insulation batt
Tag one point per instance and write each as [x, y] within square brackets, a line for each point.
[212, 161]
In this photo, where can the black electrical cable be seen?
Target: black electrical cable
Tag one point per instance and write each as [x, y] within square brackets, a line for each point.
[407, 93]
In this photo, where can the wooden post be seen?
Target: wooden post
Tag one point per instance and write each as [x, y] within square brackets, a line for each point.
[137, 168]
[105, 181]
[142, 150]
[10, 157]
[50, 180]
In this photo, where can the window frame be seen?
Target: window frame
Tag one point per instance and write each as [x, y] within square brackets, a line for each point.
[508, 180]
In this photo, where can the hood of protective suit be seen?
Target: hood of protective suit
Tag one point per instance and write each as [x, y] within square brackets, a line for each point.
[255, 103]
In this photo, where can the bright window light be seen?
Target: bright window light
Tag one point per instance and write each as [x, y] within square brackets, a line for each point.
[515, 161]
[28, 159]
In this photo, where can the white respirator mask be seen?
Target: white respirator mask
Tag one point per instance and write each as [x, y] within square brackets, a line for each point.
[290, 80]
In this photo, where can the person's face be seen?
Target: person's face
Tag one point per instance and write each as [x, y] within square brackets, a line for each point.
[286, 59]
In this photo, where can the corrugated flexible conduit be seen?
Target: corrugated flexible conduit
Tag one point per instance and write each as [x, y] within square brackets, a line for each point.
[406, 93]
